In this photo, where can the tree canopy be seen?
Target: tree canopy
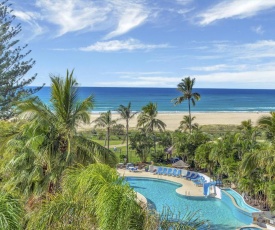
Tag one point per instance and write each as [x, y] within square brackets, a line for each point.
[14, 64]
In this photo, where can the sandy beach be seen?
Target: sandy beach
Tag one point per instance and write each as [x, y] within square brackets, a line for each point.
[172, 120]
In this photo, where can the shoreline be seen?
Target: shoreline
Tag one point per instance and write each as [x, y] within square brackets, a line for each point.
[172, 119]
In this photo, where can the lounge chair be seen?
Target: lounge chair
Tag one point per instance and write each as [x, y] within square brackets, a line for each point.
[133, 169]
[128, 165]
[169, 172]
[200, 181]
[187, 174]
[164, 172]
[193, 174]
[159, 171]
[178, 174]
[195, 177]
[175, 172]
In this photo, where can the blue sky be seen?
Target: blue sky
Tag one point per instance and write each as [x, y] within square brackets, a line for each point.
[151, 43]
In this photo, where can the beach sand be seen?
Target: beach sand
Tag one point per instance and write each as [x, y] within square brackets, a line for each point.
[172, 120]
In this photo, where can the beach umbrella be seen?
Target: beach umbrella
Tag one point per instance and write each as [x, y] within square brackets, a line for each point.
[180, 164]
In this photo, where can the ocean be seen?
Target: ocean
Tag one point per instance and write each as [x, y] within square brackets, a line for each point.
[212, 100]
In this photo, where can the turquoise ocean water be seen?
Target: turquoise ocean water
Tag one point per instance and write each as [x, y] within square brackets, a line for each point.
[212, 100]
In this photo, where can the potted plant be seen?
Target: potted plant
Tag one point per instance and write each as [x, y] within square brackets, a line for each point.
[146, 168]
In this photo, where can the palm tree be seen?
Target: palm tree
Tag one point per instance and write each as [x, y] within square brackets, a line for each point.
[185, 124]
[268, 124]
[186, 87]
[126, 114]
[148, 119]
[105, 121]
[47, 142]
[92, 197]
[96, 197]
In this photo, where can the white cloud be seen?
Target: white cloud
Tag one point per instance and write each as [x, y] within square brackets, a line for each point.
[116, 45]
[128, 20]
[184, 2]
[208, 68]
[25, 16]
[258, 30]
[142, 81]
[234, 9]
[260, 76]
[236, 51]
[72, 15]
[30, 18]
[117, 16]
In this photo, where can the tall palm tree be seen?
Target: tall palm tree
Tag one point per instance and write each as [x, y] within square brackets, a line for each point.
[148, 119]
[105, 121]
[186, 87]
[268, 124]
[47, 141]
[126, 113]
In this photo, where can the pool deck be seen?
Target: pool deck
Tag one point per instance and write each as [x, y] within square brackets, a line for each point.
[188, 187]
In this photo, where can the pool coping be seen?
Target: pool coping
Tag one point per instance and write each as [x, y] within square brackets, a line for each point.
[187, 187]
[239, 207]
[192, 191]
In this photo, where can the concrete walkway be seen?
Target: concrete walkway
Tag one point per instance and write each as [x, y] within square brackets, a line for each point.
[188, 187]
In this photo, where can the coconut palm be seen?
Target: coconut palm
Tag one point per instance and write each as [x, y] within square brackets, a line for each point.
[185, 124]
[95, 197]
[48, 142]
[268, 124]
[186, 87]
[105, 121]
[92, 197]
[126, 114]
[148, 119]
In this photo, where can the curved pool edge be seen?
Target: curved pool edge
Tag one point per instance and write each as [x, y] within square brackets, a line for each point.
[239, 212]
[239, 207]
[187, 187]
[141, 200]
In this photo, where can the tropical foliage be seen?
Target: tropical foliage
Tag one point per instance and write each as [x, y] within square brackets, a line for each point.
[105, 121]
[148, 118]
[148, 121]
[186, 124]
[186, 88]
[45, 141]
[13, 64]
[126, 114]
[92, 197]
[11, 212]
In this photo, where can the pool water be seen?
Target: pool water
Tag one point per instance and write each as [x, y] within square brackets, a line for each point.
[250, 228]
[240, 201]
[162, 193]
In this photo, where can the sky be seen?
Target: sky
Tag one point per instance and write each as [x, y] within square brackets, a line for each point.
[151, 43]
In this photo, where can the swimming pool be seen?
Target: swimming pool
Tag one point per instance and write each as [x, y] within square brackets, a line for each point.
[162, 193]
[250, 228]
[240, 201]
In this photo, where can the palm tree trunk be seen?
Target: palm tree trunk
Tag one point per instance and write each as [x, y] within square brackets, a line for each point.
[108, 138]
[127, 139]
[189, 108]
